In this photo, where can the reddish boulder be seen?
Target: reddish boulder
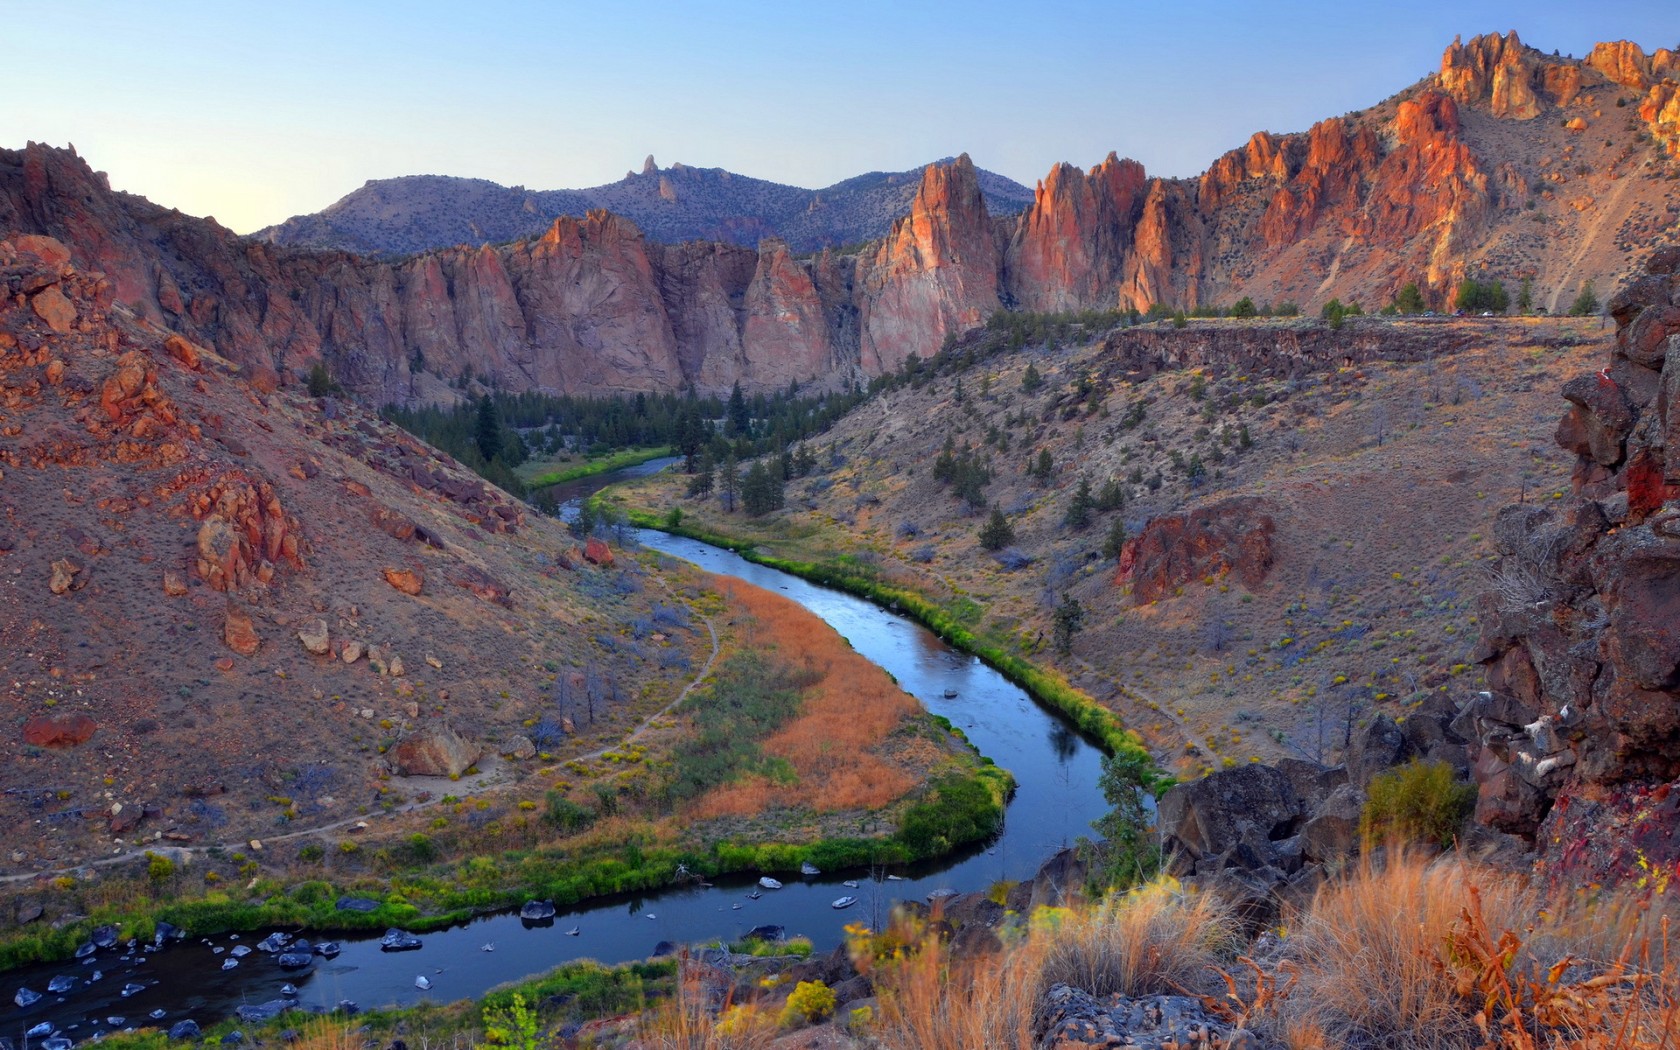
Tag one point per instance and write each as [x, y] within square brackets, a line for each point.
[408, 581]
[597, 552]
[183, 351]
[51, 306]
[58, 730]
[239, 632]
[1232, 535]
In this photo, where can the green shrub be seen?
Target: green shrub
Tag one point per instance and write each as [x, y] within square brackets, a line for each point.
[567, 815]
[1420, 801]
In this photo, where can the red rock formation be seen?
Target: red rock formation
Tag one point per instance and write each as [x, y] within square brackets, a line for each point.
[1070, 248]
[935, 274]
[1233, 535]
[1497, 68]
[785, 336]
[1352, 208]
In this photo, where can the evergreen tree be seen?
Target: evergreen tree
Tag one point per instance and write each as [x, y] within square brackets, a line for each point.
[1525, 295]
[729, 483]
[1069, 621]
[1031, 381]
[1585, 304]
[739, 419]
[761, 491]
[1115, 541]
[997, 533]
[1078, 514]
[1044, 467]
[488, 429]
[1112, 496]
[1410, 299]
[1243, 307]
[704, 477]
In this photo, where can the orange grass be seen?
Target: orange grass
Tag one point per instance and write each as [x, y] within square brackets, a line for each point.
[835, 744]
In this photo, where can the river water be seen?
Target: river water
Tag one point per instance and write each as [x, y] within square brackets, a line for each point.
[1057, 798]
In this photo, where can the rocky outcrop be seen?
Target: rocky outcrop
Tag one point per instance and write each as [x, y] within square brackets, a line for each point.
[1496, 68]
[1581, 635]
[1070, 248]
[1231, 536]
[935, 274]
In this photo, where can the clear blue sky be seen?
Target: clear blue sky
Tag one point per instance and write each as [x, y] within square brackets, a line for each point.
[254, 111]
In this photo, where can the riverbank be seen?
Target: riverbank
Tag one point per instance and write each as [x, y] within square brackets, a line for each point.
[618, 833]
[847, 574]
[535, 476]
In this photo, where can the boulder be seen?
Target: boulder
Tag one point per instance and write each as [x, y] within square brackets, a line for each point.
[519, 747]
[239, 632]
[408, 581]
[396, 940]
[434, 752]
[58, 731]
[174, 584]
[51, 306]
[1380, 745]
[314, 637]
[597, 552]
[1312, 781]
[64, 573]
[1233, 535]
[182, 1030]
[1331, 833]
[1208, 816]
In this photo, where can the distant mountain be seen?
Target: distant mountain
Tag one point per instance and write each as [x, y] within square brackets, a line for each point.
[420, 212]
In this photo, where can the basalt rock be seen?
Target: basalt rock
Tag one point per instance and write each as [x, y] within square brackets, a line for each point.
[1581, 637]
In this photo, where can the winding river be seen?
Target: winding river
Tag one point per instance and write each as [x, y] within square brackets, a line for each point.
[1056, 800]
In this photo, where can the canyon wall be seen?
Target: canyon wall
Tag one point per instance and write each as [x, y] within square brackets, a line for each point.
[1458, 175]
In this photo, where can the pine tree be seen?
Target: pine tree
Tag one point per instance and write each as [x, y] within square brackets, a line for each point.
[1115, 542]
[1410, 299]
[1585, 304]
[739, 419]
[1069, 621]
[729, 483]
[1525, 295]
[997, 533]
[1078, 514]
[488, 429]
[1031, 381]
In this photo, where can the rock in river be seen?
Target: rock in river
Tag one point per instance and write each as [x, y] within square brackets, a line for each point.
[396, 940]
[187, 1029]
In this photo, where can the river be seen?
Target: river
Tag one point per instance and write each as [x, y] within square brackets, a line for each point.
[1057, 798]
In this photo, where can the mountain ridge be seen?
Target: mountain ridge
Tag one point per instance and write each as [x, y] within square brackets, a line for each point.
[415, 213]
[1505, 164]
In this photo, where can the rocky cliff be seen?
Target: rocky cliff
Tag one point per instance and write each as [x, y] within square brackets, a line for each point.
[1580, 731]
[1507, 163]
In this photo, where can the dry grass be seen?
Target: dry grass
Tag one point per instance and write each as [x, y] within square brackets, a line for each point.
[930, 1001]
[1437, 956]
[1155, 940]
[835, 745]
[701, 1017]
